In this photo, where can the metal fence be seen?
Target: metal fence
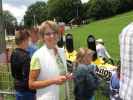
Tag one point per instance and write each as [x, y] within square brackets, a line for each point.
[6, 86]
[7, 91]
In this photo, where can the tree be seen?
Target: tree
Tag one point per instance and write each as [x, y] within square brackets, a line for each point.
[35, 14]
[64, 10]
[9, 22]
[130, 2]
[85, 7]
[125, 5]
[99, 9]
[114, 6]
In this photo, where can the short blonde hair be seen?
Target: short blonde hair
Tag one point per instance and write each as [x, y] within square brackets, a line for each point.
[53, 25]
[81, 54]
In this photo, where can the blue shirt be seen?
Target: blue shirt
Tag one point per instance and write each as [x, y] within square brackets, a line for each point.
[32, 48]
[115, 81]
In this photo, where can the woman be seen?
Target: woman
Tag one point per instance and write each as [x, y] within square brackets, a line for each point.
[48, 68]
[20, 66]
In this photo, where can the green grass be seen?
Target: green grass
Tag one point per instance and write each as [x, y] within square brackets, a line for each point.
[107, 29]
[9, 97]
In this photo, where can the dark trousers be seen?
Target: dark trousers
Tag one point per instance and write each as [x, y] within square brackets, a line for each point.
[25, 95]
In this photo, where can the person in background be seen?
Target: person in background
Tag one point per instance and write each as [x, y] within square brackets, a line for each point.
[126, 59]
[20, 66]
[85, 80]
[101, 50]
[48, 71]
[115, 84]
[61, 39]
[70, 53]
[33, 41]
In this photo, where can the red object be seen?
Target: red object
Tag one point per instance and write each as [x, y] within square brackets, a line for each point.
[61, 29]
[7, 55]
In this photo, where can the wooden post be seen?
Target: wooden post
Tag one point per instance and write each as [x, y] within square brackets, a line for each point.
[2, 35]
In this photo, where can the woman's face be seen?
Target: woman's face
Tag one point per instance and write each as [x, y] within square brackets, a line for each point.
[50, 37]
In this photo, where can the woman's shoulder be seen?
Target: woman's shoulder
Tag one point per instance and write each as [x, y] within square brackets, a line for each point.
[39, 51]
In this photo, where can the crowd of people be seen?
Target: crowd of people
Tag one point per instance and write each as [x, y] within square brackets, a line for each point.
[39, 68]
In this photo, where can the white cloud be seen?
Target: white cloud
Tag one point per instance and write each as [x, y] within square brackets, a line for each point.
[18, 7]
[21, 2]
[17, 12]
[84, 1]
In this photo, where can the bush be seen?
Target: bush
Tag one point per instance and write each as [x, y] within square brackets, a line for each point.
[99, 9]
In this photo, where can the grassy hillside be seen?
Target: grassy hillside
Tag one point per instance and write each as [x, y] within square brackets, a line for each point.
[107, 29]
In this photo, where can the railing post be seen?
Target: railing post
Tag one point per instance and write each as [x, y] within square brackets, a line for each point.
[2, 34]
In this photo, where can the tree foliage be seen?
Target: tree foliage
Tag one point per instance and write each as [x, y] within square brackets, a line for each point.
[9, 22]
[67, 10]
[99, 9]
[64, 10]
[125, 5]
[35, 14]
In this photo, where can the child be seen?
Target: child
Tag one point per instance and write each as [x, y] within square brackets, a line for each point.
[115, 85]
[85, 78]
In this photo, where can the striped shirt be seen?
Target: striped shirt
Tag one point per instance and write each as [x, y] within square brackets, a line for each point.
[126, 56]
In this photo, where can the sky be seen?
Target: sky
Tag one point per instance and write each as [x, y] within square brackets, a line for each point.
[18, 7]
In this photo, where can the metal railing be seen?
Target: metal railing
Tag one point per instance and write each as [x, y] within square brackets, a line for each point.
[7, 91]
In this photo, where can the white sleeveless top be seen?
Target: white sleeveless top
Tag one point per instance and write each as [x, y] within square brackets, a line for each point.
[49, 68]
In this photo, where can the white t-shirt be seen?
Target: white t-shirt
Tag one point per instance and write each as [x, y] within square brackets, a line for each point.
[101, 51]
[50, 66]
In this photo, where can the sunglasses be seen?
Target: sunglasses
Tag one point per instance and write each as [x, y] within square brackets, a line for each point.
[50, 33]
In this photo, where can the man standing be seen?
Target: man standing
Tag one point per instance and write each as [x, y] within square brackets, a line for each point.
[33, 41]
[126, 56]
[20, 66]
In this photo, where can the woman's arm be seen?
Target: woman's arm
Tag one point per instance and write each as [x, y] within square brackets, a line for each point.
[36, 84]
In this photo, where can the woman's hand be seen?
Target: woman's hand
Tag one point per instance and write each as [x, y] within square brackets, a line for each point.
[60, 79]
[69, 76]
